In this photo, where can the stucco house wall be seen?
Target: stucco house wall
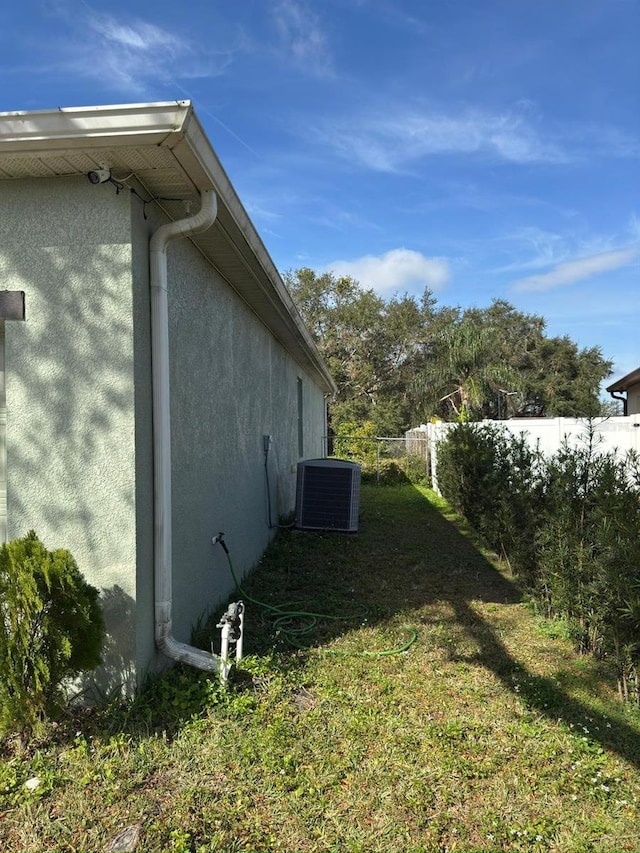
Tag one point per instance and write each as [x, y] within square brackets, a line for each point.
[78, 378]
[70, 382]
[633, 399]
[231, 384]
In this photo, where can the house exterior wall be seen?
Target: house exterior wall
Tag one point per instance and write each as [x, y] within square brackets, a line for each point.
[231, 384]
[633, 399]
[70, 387]
[79, 410]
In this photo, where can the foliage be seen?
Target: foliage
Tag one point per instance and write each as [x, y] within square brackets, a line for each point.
[381, 462]
[494, 480]
[51, 628]
[355, 442]
[568, 525]
[372, 347]
[466, 370]
[589, 554]
[399, 361]
[554, 377]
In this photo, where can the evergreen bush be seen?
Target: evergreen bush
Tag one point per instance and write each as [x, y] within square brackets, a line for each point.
[589, 555]
[51, 629]
[568, 525]
[495, 481]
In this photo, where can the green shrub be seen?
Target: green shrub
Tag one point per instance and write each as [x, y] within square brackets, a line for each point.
[356, 442]
[414, 468]
[51, 629]
[395, 472]
[381, 462]
[385, 472]
[568, 525]
[589, 555]
[495, 481]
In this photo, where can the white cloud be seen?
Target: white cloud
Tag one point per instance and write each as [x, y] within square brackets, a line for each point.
[302, 37]
[131, 54]
[394, 142]
[392, 138]
[570, 272]
[397, 270]
[530, 248]
[142, 36]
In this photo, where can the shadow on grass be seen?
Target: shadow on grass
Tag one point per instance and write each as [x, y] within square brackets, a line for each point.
[407, 554]
[544, 695]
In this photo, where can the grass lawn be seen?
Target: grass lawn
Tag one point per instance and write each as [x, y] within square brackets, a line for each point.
[486, 733]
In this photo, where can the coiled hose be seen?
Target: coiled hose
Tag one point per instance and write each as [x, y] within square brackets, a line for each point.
[286, 621]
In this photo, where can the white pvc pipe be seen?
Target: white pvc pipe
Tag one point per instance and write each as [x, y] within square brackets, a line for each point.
[225, 665]
[240, 640]
[160, 240]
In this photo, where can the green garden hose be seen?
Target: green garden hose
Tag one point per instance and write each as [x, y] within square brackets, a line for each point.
[286, 621]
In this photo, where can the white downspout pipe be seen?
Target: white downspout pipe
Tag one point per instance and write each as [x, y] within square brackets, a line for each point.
[165, 641]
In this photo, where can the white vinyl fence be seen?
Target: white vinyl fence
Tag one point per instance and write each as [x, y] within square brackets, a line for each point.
[619, 434]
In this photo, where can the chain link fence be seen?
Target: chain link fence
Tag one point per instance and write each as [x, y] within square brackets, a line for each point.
[385, 459]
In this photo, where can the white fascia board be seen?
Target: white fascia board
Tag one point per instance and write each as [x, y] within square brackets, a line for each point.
[82, 127]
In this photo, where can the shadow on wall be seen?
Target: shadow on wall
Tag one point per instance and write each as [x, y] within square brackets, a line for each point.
[71, 430]
[116, 676]
[69, 377]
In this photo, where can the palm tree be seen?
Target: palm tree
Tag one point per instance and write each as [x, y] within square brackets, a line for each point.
[467, 373]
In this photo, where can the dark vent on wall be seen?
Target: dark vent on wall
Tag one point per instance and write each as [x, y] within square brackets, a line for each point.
[328, 495]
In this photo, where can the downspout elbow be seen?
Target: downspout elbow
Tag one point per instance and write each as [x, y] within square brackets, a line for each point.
[196, 224]
[623, 400]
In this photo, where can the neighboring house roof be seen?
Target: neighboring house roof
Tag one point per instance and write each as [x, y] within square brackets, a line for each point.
[165, 147]
[626, 382]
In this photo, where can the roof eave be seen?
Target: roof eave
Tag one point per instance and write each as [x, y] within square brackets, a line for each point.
[171, 125]
[623, 384]
[95, 127]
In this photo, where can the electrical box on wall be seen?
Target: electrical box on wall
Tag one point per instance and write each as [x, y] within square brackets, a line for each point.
[12, 305]
[328, 495]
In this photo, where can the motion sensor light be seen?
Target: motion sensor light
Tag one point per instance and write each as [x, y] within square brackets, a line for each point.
[99, 176]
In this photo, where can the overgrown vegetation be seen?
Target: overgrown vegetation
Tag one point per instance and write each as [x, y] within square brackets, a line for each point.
[51, 629]
[489, 733]
[568, 525]
[386, 462]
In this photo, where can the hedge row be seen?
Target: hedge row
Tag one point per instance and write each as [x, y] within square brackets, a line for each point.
[568, 527]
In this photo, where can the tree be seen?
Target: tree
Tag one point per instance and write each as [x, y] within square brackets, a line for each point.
[465, 372]
[400, 361]
[372, 347]
[552, 376]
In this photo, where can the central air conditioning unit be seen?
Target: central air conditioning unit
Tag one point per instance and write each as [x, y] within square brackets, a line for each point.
[328, 495]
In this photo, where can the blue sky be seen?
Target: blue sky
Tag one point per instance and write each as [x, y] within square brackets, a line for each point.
[483, 148]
